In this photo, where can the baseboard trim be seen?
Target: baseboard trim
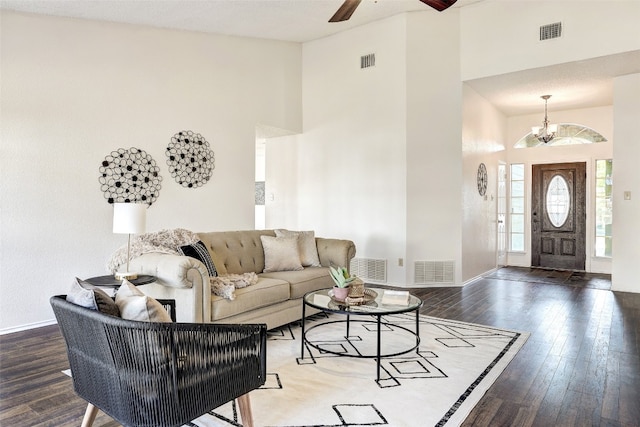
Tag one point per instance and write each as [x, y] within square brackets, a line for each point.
[480, 276]
[436, 285]
[27, 326]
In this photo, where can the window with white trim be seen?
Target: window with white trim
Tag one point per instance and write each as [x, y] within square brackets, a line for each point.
[604, 207]
[516, 205]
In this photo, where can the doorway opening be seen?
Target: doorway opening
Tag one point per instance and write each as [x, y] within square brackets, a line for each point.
[260, 177]
[264, 133]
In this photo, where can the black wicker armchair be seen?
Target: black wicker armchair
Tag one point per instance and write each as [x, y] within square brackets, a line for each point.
[159, 374]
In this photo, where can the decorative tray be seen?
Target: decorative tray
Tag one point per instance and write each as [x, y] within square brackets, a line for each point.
[369, 296]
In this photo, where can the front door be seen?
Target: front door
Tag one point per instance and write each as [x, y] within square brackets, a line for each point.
[558, 216]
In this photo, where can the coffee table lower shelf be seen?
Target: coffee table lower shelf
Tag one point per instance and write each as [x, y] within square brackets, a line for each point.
[378, 315]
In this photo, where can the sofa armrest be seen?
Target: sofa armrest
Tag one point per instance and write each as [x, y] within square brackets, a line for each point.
[184, 279]
[335, 252]
[173, 270]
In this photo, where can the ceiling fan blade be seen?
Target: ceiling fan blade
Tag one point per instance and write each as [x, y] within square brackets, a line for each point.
[439, 5]
[345, 11]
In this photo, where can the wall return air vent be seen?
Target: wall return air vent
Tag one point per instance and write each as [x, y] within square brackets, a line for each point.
[551, 31]
[433, 272]
[369, 269]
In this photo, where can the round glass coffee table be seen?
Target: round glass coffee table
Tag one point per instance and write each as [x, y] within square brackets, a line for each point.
[375, 305]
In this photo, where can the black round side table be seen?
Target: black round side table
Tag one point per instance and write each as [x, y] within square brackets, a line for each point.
[113, 282]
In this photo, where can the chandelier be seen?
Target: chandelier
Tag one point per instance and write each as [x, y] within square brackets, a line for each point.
[547, 132]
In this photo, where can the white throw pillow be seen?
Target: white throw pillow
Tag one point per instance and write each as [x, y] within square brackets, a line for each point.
[281, 254]
[135, 305]
[306, 246]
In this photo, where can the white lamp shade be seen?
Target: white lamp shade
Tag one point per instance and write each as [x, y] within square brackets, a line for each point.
[129, 218]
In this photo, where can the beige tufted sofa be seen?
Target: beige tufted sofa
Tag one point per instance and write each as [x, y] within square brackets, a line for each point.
[275, 299]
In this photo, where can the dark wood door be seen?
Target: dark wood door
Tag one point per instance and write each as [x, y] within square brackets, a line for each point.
[558, 216]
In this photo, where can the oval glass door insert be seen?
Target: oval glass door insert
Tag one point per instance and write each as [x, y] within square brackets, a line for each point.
[558, 200]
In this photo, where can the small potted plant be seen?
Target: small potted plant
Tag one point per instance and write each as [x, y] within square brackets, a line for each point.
[342, 281]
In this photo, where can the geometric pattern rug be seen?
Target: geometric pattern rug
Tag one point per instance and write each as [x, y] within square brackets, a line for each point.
[436, 385]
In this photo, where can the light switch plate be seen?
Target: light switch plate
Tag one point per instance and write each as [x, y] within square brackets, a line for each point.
[627, 195]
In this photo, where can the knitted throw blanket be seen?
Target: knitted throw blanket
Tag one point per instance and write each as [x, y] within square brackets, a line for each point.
[164, 241]
[225, 286]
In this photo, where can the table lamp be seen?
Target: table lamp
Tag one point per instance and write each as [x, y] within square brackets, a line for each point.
[129, 218]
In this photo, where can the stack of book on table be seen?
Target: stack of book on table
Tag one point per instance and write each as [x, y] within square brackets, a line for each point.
[395, 297]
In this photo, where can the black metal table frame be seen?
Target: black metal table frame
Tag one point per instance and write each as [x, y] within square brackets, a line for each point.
[111, 282]
[378, 356]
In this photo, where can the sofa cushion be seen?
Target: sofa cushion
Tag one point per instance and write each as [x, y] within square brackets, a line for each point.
[306, 246]
[281, 253]
[199, 251]
[265, 292]
[301, 282]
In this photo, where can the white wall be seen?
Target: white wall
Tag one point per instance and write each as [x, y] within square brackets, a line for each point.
[626, 177]
[434, 129]
[379, 159]
[352, 155]
[599, 119]
[483, 141]
[73, 91]
[492, 31]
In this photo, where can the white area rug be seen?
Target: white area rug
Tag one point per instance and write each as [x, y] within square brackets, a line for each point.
[438, 385]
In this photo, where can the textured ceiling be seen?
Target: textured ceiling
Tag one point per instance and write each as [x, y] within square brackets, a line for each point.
[573, 85]
[288, 20]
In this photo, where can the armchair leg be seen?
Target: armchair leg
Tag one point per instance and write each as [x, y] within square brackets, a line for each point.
[245, 410]
[89, 415]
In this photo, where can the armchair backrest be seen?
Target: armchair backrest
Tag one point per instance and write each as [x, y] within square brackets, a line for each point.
[158, 374]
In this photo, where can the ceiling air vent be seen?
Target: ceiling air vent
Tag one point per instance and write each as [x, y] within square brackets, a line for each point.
[367, 61]
[551, 31]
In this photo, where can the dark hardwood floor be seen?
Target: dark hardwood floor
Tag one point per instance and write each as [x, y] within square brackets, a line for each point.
[580, 366]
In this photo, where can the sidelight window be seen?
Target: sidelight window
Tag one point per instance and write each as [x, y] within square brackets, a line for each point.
[516, 205]
[604, 207]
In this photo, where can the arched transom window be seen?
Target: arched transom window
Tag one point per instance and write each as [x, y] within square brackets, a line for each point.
[567, 134]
